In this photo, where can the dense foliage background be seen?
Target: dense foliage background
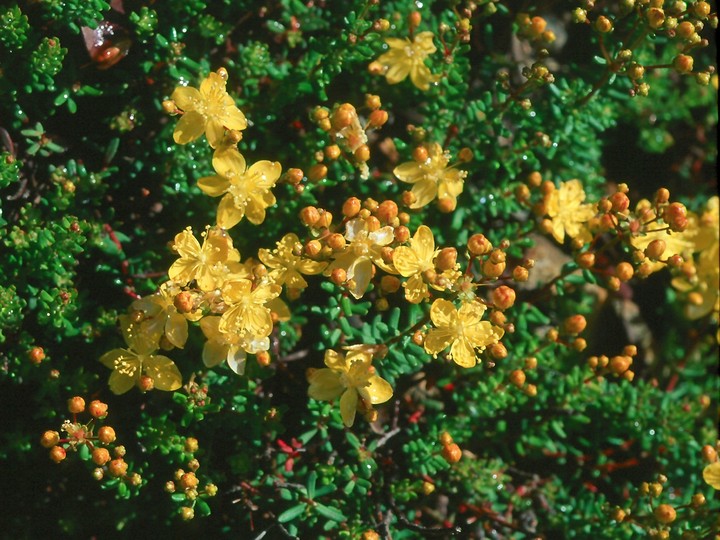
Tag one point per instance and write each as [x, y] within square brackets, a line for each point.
[93, 190]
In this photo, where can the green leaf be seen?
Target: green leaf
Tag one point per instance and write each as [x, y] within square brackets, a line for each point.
[330, 512]
[291, 513]
[203, 508]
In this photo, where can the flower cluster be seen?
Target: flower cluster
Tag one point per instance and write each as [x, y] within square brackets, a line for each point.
[92, 442]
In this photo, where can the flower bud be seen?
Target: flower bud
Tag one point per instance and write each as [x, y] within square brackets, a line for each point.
[100, 456]
[479, 245]
[377, 119]
[683, 63]
[603, 24]
[57, 454]
[655, 249]
[98, 409]
[624, 271]
[362, 153]
[343, 116]
[619, 364]
[402, 234]
[665, 513]
[146, 383]
[338, 276]
[446, 259]
[451, 453]
[372, 101]
[498, 351]
[187, 513]
[76, 404]
[36, 355]
[517, 378]
[49, 439]
[585, 260]
[389, 284]
[387, 211]
[530, 390]
[491, 270]
[117, 467]
[709, 454]
[191, 445]
[106, 434]
[503, 297]
[189, 480]
[317, 172]
[351, 207]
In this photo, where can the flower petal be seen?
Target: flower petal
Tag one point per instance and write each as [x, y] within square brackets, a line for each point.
[443, 314]
[348, 406]
[325, 385]
[425, 191]
[186, 97]
[463, 354]
[214, 351]
[378, 390]
[120, 382]
[236, 359]
[437, 340]
[189, 128]
[214, 185]
[228, 215]
[164, 373]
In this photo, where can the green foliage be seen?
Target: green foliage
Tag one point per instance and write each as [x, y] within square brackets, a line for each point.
[93, 191]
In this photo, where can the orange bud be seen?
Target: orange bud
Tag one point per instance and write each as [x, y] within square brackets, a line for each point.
[351, 207]
[36, 355]
[98, 409]
[49, 439]
[76, 404]
[106, 434]
[57, 454]
[451, 453]
[503, 297]
[517, 378]
[387, 211]
[100, 456]
[446, 259]
[117, 467]
[665, 514]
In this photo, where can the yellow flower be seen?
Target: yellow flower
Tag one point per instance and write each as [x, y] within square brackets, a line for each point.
[209, 264]
[361, 252]
[463, 330]
[711, 474]
[130, 364]
[432, 178]
[232, 348]
[287, 266]
[209, 110]
[350, 377]
[160, 318]
[565, 209]
[407, 57]
[248, 312]
[247, 190]
[413, 261]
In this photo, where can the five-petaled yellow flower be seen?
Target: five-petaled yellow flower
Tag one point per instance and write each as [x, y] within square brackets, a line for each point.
[232, 348]
[432, 178]
[461, 329]
[414, 260]
[209, 110]
[407, 57]
[208, 264]
[160, 318]
[564, 206]
[248, 312]
[130, 364]
[246, 190]
[363, 249]
[351, 377]
[287, 265]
